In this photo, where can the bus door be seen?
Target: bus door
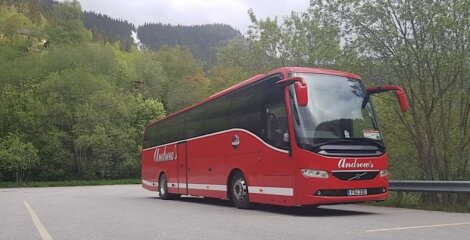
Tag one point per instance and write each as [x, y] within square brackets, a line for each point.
[277, 164]
[182, 169]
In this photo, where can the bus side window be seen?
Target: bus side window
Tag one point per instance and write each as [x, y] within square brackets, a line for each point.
[217, 115]
[276, 123]
[194, 123]
[161, 133]
[247, 109]
[149, 137]
[275, 116]
[175, 128]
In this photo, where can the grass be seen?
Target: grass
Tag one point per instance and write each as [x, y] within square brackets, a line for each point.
[412, 201]
[69, 183]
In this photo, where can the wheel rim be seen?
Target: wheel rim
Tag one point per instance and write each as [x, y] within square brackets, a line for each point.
[240, 189]
[162, 186]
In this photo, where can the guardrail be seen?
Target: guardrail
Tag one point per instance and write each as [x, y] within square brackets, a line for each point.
[429, 186]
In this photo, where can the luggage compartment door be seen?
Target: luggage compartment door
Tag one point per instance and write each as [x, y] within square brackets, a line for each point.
[182, 168]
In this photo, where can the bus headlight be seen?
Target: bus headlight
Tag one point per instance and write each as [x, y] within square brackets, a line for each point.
[311, 173]
[383, 173]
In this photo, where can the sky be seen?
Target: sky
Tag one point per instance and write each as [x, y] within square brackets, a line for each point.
[194, 12]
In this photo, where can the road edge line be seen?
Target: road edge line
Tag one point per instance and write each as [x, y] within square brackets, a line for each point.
[37, 223]
[418, 227]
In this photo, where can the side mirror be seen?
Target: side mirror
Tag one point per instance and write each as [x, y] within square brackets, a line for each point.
[301, 91]
[399, 93]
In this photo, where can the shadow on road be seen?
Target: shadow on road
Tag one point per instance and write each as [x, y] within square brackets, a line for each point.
[303, 211]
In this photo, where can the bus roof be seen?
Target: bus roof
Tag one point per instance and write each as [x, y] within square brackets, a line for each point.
[284, 70]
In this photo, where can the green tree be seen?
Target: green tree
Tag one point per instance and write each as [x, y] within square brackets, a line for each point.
[159, 73]
[242, 54]
[13, 24]
[66, 25]
[424, 47]
[17, 157]
[223, 77]
[21, 110]
[77, 109]
[107, 133]
[150, 78]
[310, 38]
[186, 91]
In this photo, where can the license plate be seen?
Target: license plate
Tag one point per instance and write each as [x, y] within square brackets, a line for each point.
[357, 192]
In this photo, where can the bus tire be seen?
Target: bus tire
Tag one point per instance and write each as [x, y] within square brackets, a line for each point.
[239, 191]
[163, 189]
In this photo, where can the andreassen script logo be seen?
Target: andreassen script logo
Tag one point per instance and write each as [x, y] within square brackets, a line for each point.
[165, 155]
[343, 163]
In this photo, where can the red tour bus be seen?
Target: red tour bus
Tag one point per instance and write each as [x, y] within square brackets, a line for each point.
[293, 136]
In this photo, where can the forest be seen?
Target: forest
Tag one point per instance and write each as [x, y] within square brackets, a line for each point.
[74, 100]
[107, 29]
[201, 40]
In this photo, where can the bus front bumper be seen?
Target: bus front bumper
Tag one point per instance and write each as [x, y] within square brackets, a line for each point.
[334, 191]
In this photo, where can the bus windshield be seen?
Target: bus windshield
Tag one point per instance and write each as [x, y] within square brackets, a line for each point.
[335, 112]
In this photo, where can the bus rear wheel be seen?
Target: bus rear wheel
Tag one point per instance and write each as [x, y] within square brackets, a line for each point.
[163, 189]
[239, 191]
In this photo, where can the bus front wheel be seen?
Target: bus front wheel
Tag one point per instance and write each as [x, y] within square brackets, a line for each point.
[163, 189]
[239, 191]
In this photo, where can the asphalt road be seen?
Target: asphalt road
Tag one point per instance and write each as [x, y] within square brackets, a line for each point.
[130, 212]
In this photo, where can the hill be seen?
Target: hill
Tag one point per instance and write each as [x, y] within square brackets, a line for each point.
[203, 40]
[107, 29]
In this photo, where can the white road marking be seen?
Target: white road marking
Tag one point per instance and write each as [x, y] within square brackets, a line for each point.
[399, 211]
[39, 226]
[418, 227]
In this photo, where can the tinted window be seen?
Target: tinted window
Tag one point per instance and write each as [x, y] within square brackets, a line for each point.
[161, 132]
[155, 134]
[217, 115]
[194, 122]
[258, 108]
[175, 128]
[149, 137]
[247, 108]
